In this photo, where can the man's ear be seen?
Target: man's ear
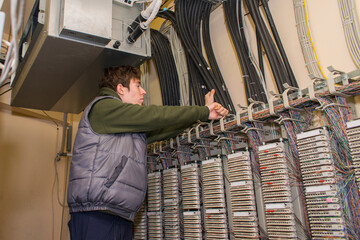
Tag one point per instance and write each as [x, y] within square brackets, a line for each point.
[120, 89]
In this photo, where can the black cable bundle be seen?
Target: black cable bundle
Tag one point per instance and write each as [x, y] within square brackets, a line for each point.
[166, 68]
[279, 64]
[187, 21]
[253, 87]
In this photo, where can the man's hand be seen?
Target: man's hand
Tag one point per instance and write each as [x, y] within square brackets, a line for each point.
[217, 111]
[209, 97]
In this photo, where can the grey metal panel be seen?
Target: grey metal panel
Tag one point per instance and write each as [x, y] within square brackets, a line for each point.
[61, 73]
[59, 63]
[89, 20]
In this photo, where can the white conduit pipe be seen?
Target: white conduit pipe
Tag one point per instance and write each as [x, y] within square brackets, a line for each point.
[155, 10]
[147, 12]
[12, 56]
[351, 28]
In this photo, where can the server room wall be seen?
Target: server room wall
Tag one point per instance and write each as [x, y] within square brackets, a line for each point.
[28, 199]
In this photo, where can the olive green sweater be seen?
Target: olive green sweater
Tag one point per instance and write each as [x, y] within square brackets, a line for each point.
[158, 122]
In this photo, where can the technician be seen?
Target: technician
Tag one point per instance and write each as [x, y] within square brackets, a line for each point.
[108, 177]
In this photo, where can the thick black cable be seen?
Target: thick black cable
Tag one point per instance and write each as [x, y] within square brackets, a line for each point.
[277, 65]
[183, 9]
[166, 68]
[278, 42]
[253, 86]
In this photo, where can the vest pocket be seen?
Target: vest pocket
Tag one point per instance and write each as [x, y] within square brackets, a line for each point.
[118, 169]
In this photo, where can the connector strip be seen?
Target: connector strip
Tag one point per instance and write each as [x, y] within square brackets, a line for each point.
[214, 199]
[191, 200]
[140, 224]
[353, 134]
[243, 205]
[171, 204]
[275, 171]
[319, 178]
[154, 204]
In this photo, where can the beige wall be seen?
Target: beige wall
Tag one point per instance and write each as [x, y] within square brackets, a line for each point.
[29, 142]
[28, 145]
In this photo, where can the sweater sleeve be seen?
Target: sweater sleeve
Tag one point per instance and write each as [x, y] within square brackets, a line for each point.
[113, 116]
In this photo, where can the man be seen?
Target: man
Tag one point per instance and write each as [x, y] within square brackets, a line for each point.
[107, 182]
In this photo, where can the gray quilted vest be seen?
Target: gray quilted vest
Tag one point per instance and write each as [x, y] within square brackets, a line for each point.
[108, 171]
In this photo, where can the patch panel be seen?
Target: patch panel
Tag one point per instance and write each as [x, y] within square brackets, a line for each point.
[246, 235]
[318, 169]
[353, 131]
[268, 188]
[315, 157]
[315, 151]
[316, 163]
[155, 227]
[327, 226]
[281, 217]
[214, 203]
[324, 207]
[242, 185]
[276, 194]
[325, 213]
[269, 157]
[311, 140]
[241, 177]
[328, 233]
[171, 203]
[279, 170]
[277, 200]
[321, 194]
[192, 225]
[323, 200]
[326, 220]
[241, 220]
[276, 170]
[242, 197]
[282, 235]
[269, 168]
[316, 144]
[280, 222]
[320, 180]
[318, 175]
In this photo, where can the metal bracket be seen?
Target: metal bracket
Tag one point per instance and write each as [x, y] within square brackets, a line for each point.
[285, 96]
[311, 87]
[331, 81]
[251, 106]
[197, 131]
[271, 101]
[222, 125]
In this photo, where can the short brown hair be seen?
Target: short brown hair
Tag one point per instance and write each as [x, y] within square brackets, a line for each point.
[119, 75]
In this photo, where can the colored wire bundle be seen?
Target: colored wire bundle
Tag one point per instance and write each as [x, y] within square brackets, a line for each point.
[166, 68]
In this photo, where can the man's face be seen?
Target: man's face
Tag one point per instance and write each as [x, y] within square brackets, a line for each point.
[135, 93]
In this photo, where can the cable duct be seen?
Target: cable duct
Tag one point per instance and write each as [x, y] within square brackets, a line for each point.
[351, 28]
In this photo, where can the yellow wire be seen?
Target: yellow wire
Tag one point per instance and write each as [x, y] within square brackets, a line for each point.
[312, 44]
